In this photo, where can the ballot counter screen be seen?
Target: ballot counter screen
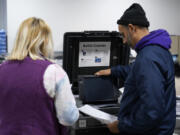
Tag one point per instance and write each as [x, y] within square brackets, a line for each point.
[97, 89]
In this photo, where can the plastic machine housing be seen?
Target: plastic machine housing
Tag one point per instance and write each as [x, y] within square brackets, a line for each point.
[80, 75]
[119, 53]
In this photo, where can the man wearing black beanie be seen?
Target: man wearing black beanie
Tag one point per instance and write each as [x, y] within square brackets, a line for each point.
[148, 105]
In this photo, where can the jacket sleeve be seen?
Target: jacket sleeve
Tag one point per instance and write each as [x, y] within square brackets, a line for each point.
[150, 105]
[121, 71]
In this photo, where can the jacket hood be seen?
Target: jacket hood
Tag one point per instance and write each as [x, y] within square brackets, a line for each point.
[158, 37]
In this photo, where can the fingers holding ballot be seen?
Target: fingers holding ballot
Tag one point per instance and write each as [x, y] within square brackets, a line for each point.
[104, 72]
[113, 127]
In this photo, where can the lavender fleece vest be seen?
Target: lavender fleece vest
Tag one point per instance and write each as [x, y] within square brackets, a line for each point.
[25, 107]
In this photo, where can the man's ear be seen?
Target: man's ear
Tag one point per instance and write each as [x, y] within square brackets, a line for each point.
[131, 27]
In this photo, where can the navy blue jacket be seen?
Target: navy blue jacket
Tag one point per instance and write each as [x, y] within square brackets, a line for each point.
[148, 105]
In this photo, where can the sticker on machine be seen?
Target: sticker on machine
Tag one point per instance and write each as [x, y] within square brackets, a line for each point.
[94, 54]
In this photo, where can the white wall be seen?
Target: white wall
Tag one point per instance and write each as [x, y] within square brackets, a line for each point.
[79, 15]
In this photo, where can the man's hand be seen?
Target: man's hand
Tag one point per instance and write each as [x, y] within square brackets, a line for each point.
[105, 72]
[113, 127]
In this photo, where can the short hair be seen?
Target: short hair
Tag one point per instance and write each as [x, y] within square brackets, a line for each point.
[34, 39]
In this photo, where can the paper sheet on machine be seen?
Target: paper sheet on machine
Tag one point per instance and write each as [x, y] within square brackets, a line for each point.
[103, 117]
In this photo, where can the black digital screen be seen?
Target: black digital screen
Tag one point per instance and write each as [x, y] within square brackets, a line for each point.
[97, 89]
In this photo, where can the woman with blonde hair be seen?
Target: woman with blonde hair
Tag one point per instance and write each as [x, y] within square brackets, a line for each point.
[35, 94]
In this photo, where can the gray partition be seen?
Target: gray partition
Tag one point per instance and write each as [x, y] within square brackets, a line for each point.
[3, 15]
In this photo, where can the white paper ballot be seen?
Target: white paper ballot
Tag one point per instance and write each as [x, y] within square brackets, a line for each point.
[97, 114]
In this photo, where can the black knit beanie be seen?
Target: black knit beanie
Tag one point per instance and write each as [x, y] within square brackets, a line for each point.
[136, 15]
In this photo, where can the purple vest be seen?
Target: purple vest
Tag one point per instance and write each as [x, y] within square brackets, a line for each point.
[25, 107]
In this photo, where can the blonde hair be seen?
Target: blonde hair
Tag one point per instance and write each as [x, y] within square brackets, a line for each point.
[34, 39]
